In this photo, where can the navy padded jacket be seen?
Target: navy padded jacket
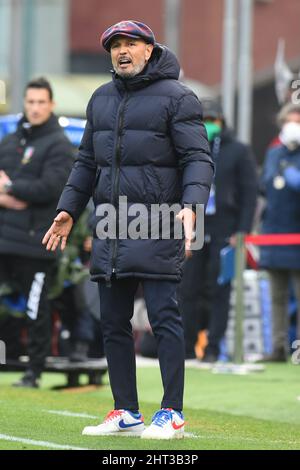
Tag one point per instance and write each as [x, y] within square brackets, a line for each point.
[144, 139]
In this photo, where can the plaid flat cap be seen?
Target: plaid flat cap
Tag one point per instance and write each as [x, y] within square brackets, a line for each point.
[133, 29]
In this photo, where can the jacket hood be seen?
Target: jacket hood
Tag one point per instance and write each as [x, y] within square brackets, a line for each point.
[163, 64]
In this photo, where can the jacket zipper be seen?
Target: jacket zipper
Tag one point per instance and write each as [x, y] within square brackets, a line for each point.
[116, 184]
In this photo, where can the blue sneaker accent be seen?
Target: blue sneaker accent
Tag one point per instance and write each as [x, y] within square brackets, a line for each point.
[179, 413]
[135, 415]
[161, 417]
[123, 425]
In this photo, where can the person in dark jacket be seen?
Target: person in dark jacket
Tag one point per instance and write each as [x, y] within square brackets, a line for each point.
[145, 140]
[281, 185]
[35, 163]
[203, 301]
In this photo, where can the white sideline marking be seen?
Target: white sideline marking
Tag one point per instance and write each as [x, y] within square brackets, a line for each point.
[70, 414]
[32, 442]
[190, 435]
[52, 445]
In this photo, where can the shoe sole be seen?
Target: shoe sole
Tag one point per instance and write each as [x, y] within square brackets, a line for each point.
[161, 438]
[117, 433]
[114, 433]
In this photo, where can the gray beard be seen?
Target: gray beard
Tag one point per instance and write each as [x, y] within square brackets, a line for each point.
[137, 69]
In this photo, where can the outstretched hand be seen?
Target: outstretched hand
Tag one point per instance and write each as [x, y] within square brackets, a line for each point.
[58, 232]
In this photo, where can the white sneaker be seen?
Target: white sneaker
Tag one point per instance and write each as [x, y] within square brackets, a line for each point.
[116, 422]
[166, 424]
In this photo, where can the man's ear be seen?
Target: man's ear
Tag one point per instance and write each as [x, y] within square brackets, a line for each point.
[149, 49]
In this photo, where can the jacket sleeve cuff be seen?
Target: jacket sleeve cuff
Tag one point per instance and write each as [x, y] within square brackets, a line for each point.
[68, 212]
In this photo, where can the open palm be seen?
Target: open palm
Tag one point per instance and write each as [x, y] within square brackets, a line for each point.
[58, 232]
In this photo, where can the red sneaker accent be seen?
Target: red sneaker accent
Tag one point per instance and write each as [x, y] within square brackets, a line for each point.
[112, 414]
[177, 426]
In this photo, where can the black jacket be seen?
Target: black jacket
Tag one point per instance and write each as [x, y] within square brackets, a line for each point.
[236, 187]
[144, 139]
[38, 160]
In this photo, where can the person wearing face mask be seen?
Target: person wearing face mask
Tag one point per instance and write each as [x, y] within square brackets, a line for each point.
[281, 186]
[230, 209]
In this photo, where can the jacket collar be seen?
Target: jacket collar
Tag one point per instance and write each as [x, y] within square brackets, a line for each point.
[25, 129]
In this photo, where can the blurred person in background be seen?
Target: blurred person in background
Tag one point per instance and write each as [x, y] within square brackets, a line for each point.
[281, 187]
[291, 96]
[204, 303]
[75, 298]
[149, 145]
[35, 162]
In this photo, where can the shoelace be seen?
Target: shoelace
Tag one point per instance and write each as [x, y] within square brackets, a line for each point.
[112, 415]
[161, 417]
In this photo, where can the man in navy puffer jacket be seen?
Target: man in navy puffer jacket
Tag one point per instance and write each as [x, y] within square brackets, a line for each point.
[144, 139]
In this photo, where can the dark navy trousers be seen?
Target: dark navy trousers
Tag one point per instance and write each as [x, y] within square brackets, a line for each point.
[116, 307]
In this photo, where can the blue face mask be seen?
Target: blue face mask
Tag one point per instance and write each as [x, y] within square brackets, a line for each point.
[213, 130]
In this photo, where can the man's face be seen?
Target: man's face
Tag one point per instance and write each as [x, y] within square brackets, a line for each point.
[38, 106]
[129, 56]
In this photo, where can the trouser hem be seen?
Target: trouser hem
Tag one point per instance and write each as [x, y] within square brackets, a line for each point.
[172, 404]
[129, 406]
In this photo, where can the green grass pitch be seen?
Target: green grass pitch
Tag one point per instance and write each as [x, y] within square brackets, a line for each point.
[256, 411]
